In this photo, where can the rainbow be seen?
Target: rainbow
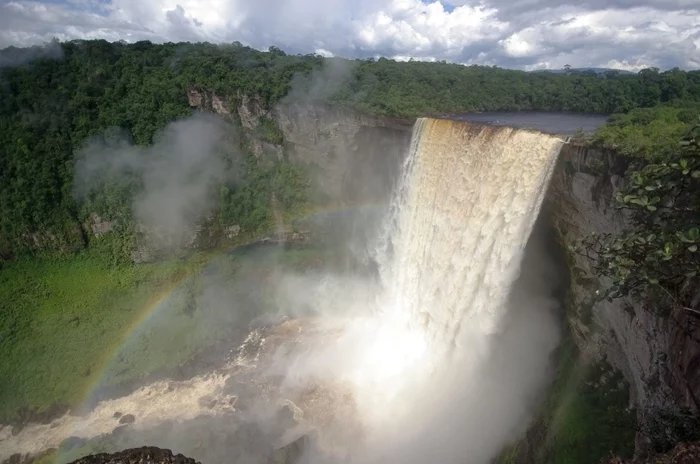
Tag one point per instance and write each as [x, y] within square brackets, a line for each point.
[160, 300]
[143, 316]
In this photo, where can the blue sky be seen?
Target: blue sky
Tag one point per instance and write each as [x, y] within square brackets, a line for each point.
[524, 34]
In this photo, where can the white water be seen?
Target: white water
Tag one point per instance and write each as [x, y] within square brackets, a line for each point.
[461, 217]
[469, 198]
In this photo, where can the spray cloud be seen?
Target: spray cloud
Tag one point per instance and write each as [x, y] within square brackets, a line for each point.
[441, 355]
[172, 179]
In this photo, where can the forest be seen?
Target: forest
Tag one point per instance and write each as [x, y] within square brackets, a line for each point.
[51, 105]
[59, 315]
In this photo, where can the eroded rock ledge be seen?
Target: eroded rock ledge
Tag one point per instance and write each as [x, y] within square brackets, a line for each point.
[145, 455]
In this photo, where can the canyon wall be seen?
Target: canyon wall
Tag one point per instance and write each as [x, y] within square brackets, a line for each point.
[351, 157]
[355, 158]
[654, 350]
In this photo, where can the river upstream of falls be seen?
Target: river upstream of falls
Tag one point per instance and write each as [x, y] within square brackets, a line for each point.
[440, 356]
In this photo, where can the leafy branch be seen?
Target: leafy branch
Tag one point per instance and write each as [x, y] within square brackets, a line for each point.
[658, 255]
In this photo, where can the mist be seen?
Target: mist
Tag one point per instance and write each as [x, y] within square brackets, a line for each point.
[171, 181]
[462, 409]
[321, 84]
[11, 57]
[354, 358]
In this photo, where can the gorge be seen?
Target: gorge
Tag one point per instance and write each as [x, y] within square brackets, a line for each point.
[463, 271]
[356, 159]
[654, 353]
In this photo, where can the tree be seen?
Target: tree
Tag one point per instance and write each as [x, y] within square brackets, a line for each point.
[658, 256]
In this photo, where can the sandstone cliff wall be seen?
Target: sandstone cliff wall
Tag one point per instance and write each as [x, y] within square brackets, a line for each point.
[356, 158]
[351, 157]
[655, 352]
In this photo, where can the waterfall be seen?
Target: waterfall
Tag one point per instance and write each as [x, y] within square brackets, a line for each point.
[462, 214]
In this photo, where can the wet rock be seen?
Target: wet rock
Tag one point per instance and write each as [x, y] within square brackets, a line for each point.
[145, 455]
[241, 390]
[117, 415]
[684, 453]
[120, 431]
[15, 459]
[127, 419]
[72, 442]
[289, 415]
[291, 453]
[207, 402]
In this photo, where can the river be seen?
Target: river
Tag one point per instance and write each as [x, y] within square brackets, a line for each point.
[552, 123]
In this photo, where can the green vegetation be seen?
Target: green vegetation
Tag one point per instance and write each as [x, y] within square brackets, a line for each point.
[268, 131]
[586, 413]
[650, 133]
[586, 416]
[69, 325]
[61, 317]
[49, 108]
[75, 315]
[657, 257]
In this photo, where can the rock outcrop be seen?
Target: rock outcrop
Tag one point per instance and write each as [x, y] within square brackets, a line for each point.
[289, 454]
[352, 157]
[355, 158]
[145, 455]
[684, 453]
[656, 355]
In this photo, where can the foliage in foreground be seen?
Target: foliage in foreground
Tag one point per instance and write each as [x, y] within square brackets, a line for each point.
[658, 256]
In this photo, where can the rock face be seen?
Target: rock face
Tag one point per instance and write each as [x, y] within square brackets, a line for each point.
[145, 455]
[352, 157]
[658, 358]
[127, 419]
[98, 225]
[289, 454]
[685, 453]
[355, 157]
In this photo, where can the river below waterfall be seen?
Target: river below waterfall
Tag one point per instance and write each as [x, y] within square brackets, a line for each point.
[438, 354]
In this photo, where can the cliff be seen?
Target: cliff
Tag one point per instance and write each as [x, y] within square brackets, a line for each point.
[355, 158]
[351, 157]
[654, 350]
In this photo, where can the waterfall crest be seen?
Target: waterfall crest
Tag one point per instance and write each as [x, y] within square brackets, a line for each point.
[463, 212]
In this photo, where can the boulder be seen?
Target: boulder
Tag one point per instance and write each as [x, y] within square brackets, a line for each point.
[289, 415]
[120, 431]
[291, 453]
[145, 455]
[72, 442]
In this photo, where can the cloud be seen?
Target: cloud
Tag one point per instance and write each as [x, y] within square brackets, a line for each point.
[13, 56]
[529, 34]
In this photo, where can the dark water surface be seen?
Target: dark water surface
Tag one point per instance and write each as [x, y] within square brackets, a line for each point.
[552, 123]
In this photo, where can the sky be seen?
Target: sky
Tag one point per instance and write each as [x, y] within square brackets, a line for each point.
[521, 34]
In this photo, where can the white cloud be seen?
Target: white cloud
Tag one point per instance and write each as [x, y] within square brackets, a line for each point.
[530, 34]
